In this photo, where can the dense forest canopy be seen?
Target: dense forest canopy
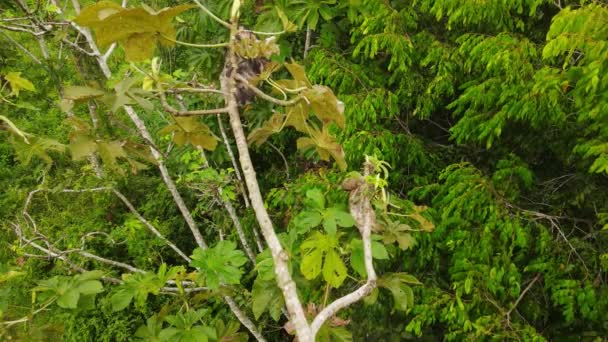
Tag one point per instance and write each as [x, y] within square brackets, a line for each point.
[362, 170]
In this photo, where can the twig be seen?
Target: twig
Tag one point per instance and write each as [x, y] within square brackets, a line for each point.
[232, 213]
[521, 296]
[235, 166]
[307, 41]
[78, 48]
[177, 112]
[282, 157]
[215, 45]
[244, 319]
[150, 226]
[22, 48]
[215, 17]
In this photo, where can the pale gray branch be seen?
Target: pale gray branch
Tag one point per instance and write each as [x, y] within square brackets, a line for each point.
[284, 280]
[361, 207]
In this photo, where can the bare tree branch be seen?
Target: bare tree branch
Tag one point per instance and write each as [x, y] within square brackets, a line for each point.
[22, 48]
[235, 165]
[150, 226]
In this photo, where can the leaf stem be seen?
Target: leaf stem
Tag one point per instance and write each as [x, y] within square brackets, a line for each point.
[213, 16]
[192, 44]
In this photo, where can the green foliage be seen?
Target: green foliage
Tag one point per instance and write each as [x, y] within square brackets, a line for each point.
[220, 264]
[331, 218]
[320, 256]
[71, 292]
[184, 327]
[492, 115]
[137, 287]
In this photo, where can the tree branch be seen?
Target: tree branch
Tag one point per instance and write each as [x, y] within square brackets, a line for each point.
[284, 280]
[363, 212]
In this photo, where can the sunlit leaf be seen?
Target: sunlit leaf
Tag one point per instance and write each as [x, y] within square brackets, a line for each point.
[18, 83]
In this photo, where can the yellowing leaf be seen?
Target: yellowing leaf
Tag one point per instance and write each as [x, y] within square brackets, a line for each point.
[18, 83]
[297, 116]
[190, 130]
[139, 46]
[425, 224]
[82, 146]
[110, 151]
[136, 29]
[94, 14]
[288, 26]
[297, 72]
[325, 145]
[80, 93]
[274, 125]
[325, 105]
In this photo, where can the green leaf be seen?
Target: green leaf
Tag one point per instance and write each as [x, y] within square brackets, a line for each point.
[69, 299]
[13, 129]
[90, 287]
[266, 296]
[38, 147]
[121, 299]
[397, 284]
[329, 224]
[306, 220]
[18, 83]
[334, 271]
[333, 217]
[90, 275]
[319, 255]
[288, 26]
[316, 198]
[357, 256]
[151, 330]
[220, 264]
[379, 251]
[265, 265]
